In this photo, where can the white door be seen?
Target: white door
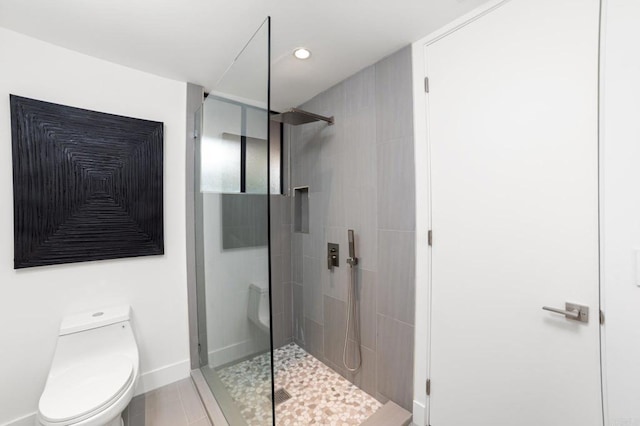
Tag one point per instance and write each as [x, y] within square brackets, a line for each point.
[512, 116]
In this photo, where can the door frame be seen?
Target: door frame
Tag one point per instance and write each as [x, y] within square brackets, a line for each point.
[423, 208]
[601, 230]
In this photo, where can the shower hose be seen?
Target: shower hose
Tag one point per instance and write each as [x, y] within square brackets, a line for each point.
[352, 319]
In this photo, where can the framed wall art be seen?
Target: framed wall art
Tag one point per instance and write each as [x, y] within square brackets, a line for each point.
[86, 185]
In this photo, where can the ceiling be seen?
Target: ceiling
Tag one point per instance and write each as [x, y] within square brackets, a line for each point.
[196, 40]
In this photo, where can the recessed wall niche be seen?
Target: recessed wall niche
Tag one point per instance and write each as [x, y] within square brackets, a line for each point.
[86, 185]
[301, 209]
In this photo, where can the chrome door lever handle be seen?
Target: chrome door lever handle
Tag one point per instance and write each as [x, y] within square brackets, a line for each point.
[572, 311]
[571, 314]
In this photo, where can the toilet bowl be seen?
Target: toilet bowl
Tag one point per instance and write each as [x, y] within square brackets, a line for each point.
[258, 309]
[94, 370]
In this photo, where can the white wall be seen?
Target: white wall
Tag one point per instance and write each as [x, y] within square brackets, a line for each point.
[620, 148]
[228, 272]
[32, 301]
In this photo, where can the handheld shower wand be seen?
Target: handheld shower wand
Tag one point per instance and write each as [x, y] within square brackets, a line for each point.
[352, 307]
[352, 260]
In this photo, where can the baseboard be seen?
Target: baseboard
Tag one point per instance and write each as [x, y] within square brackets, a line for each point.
[147, 382]
[28, 420]
[163, 376]
[236, 351]
[419, 414]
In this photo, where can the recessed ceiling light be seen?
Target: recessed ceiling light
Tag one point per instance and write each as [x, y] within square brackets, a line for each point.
[302, 53]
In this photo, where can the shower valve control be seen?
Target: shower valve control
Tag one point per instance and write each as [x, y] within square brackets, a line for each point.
[333, 255]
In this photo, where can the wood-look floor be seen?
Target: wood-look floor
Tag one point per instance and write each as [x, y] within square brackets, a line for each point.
[176, 404]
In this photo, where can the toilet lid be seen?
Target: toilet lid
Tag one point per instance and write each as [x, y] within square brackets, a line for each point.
[85, 388]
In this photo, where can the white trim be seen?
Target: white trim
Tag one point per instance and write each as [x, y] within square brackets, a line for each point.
[423, 253]
[162, 376]
[27, 420]
[601, 141]
[423, 208]
[236, 351]
[419, 414]
[463, 21]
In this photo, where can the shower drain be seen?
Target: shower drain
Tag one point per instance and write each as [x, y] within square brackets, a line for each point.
[281, 396]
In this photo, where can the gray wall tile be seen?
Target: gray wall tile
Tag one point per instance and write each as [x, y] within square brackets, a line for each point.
[361, 176]
[396, 276]
[362, 217]
[281, 271]
[394, 96]
[277, 302]
[335, 202]
[338, 368]
[360, 91]
[287, 323]
[285, 209]
[396, 186]
[335, 281]
[312, 294]
[278, 331]
[298, 314]
[394, 362]
[365, 377]
[334, 329]
[358, 149]
[381, 398]
[286, 265]
[276, 240]
[366, 293]
[244, 221]
[312, 242]
[332, 101]
[296, 257]
[276, 210]
[314, 338]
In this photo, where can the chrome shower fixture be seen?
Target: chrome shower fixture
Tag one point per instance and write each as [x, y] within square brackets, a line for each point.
[295, 116]
[352, 260]
[352, 308]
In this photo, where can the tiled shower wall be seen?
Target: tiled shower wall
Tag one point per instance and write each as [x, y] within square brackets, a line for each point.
[281, 269]
[360, 174]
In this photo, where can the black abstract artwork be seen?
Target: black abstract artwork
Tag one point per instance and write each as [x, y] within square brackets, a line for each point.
[86, 185]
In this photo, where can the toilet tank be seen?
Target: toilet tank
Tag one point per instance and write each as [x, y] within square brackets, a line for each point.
[258, 299]
[259, 288]
[94, 319]
[95, 334]
[258, 308]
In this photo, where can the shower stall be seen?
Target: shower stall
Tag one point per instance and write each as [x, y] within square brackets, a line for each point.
[304, 234]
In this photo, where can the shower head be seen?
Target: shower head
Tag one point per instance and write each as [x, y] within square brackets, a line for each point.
[295, 116]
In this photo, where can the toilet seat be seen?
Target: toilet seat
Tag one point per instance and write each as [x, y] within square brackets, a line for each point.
[85, 389]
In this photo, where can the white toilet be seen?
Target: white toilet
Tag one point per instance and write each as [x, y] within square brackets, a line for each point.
[258, 309]
[94, 370]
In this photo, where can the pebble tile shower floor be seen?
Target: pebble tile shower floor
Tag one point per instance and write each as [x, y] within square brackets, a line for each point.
[319, 395]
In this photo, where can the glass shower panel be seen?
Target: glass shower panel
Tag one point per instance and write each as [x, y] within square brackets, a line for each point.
[220, 146]
[233, 222]
[256, 180]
